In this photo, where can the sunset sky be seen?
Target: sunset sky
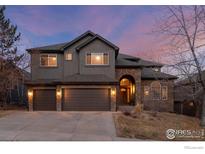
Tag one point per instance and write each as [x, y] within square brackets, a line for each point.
[128, 27]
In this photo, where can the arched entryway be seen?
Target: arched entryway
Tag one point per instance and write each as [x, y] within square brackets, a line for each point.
[127, 90]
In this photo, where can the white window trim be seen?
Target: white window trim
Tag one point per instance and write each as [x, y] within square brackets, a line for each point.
[66, 56]
[48, 61]
[166, 92]
[96, 53]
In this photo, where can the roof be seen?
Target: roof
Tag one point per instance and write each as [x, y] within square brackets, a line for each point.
[124, 60]
[77, 79]
[100, 38]
[61, 46]
[89, 78]
[148, 73]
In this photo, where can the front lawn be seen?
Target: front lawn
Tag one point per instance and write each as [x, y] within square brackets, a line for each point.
[152, 126]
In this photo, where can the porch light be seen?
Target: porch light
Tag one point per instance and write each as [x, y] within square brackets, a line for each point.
[133, 88]
[113, 92]
[30, 93]
[58, 93]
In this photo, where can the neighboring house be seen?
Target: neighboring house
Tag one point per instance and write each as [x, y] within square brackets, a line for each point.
[89, 74]
[188, 96]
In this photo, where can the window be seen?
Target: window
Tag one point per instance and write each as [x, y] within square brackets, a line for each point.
[68, 56]
[97, 59]
[48, 60]
[146, 90]
[156, 90]
[164, 93]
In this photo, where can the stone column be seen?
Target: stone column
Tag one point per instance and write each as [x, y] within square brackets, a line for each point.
[30, 99]
[137, 92]
[59, 98]
[113, 98]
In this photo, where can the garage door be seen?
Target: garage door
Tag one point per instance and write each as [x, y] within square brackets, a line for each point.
[44, 100]
[86, 100]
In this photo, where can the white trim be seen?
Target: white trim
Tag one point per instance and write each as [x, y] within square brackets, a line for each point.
[48, 54]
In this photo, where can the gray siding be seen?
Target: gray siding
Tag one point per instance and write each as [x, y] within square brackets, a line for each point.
[52, 73]
[77, 65]
[63, 69]
[71, 67]
[97, 46]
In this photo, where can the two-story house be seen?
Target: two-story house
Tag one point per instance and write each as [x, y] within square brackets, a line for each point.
[89, 74]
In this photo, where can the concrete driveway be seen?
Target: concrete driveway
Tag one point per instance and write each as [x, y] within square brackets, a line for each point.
[58, 126]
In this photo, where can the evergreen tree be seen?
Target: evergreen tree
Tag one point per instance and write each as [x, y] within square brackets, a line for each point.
[8, 54]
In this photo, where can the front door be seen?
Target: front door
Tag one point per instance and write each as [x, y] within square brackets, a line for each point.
[126, 92]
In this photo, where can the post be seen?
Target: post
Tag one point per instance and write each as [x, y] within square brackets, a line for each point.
[113, 98]
[59, 98]
[30, 99]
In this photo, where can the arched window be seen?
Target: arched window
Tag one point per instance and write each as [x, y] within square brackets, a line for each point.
[156, 90]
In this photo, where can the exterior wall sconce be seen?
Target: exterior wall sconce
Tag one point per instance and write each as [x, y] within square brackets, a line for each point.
[30, 93]
[113, 91]
[133, 88]
[58, 93]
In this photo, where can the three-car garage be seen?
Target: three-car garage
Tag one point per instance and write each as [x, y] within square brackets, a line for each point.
[73, 99]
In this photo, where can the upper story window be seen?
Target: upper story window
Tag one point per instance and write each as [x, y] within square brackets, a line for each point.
[97, 59]
[48, 60]
[68, 56]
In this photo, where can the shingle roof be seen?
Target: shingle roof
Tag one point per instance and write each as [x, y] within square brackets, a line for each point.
[148, 73]
[124, 60]
[54, 47]
[89, 78]
[77, 79]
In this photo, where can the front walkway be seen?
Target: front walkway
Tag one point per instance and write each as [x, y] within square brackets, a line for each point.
[58, 126]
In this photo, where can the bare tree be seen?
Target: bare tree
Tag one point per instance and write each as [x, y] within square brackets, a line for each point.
[183, 28]
[10, 58]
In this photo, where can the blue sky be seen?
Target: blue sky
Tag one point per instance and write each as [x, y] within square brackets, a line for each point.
[128, 27]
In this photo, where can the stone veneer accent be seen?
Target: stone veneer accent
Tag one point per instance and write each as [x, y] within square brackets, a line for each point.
[113, 104]
[159, 105]
[136, 74]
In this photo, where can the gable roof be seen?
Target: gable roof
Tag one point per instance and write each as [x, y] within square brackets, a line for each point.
[61, 46]
[100, 38]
